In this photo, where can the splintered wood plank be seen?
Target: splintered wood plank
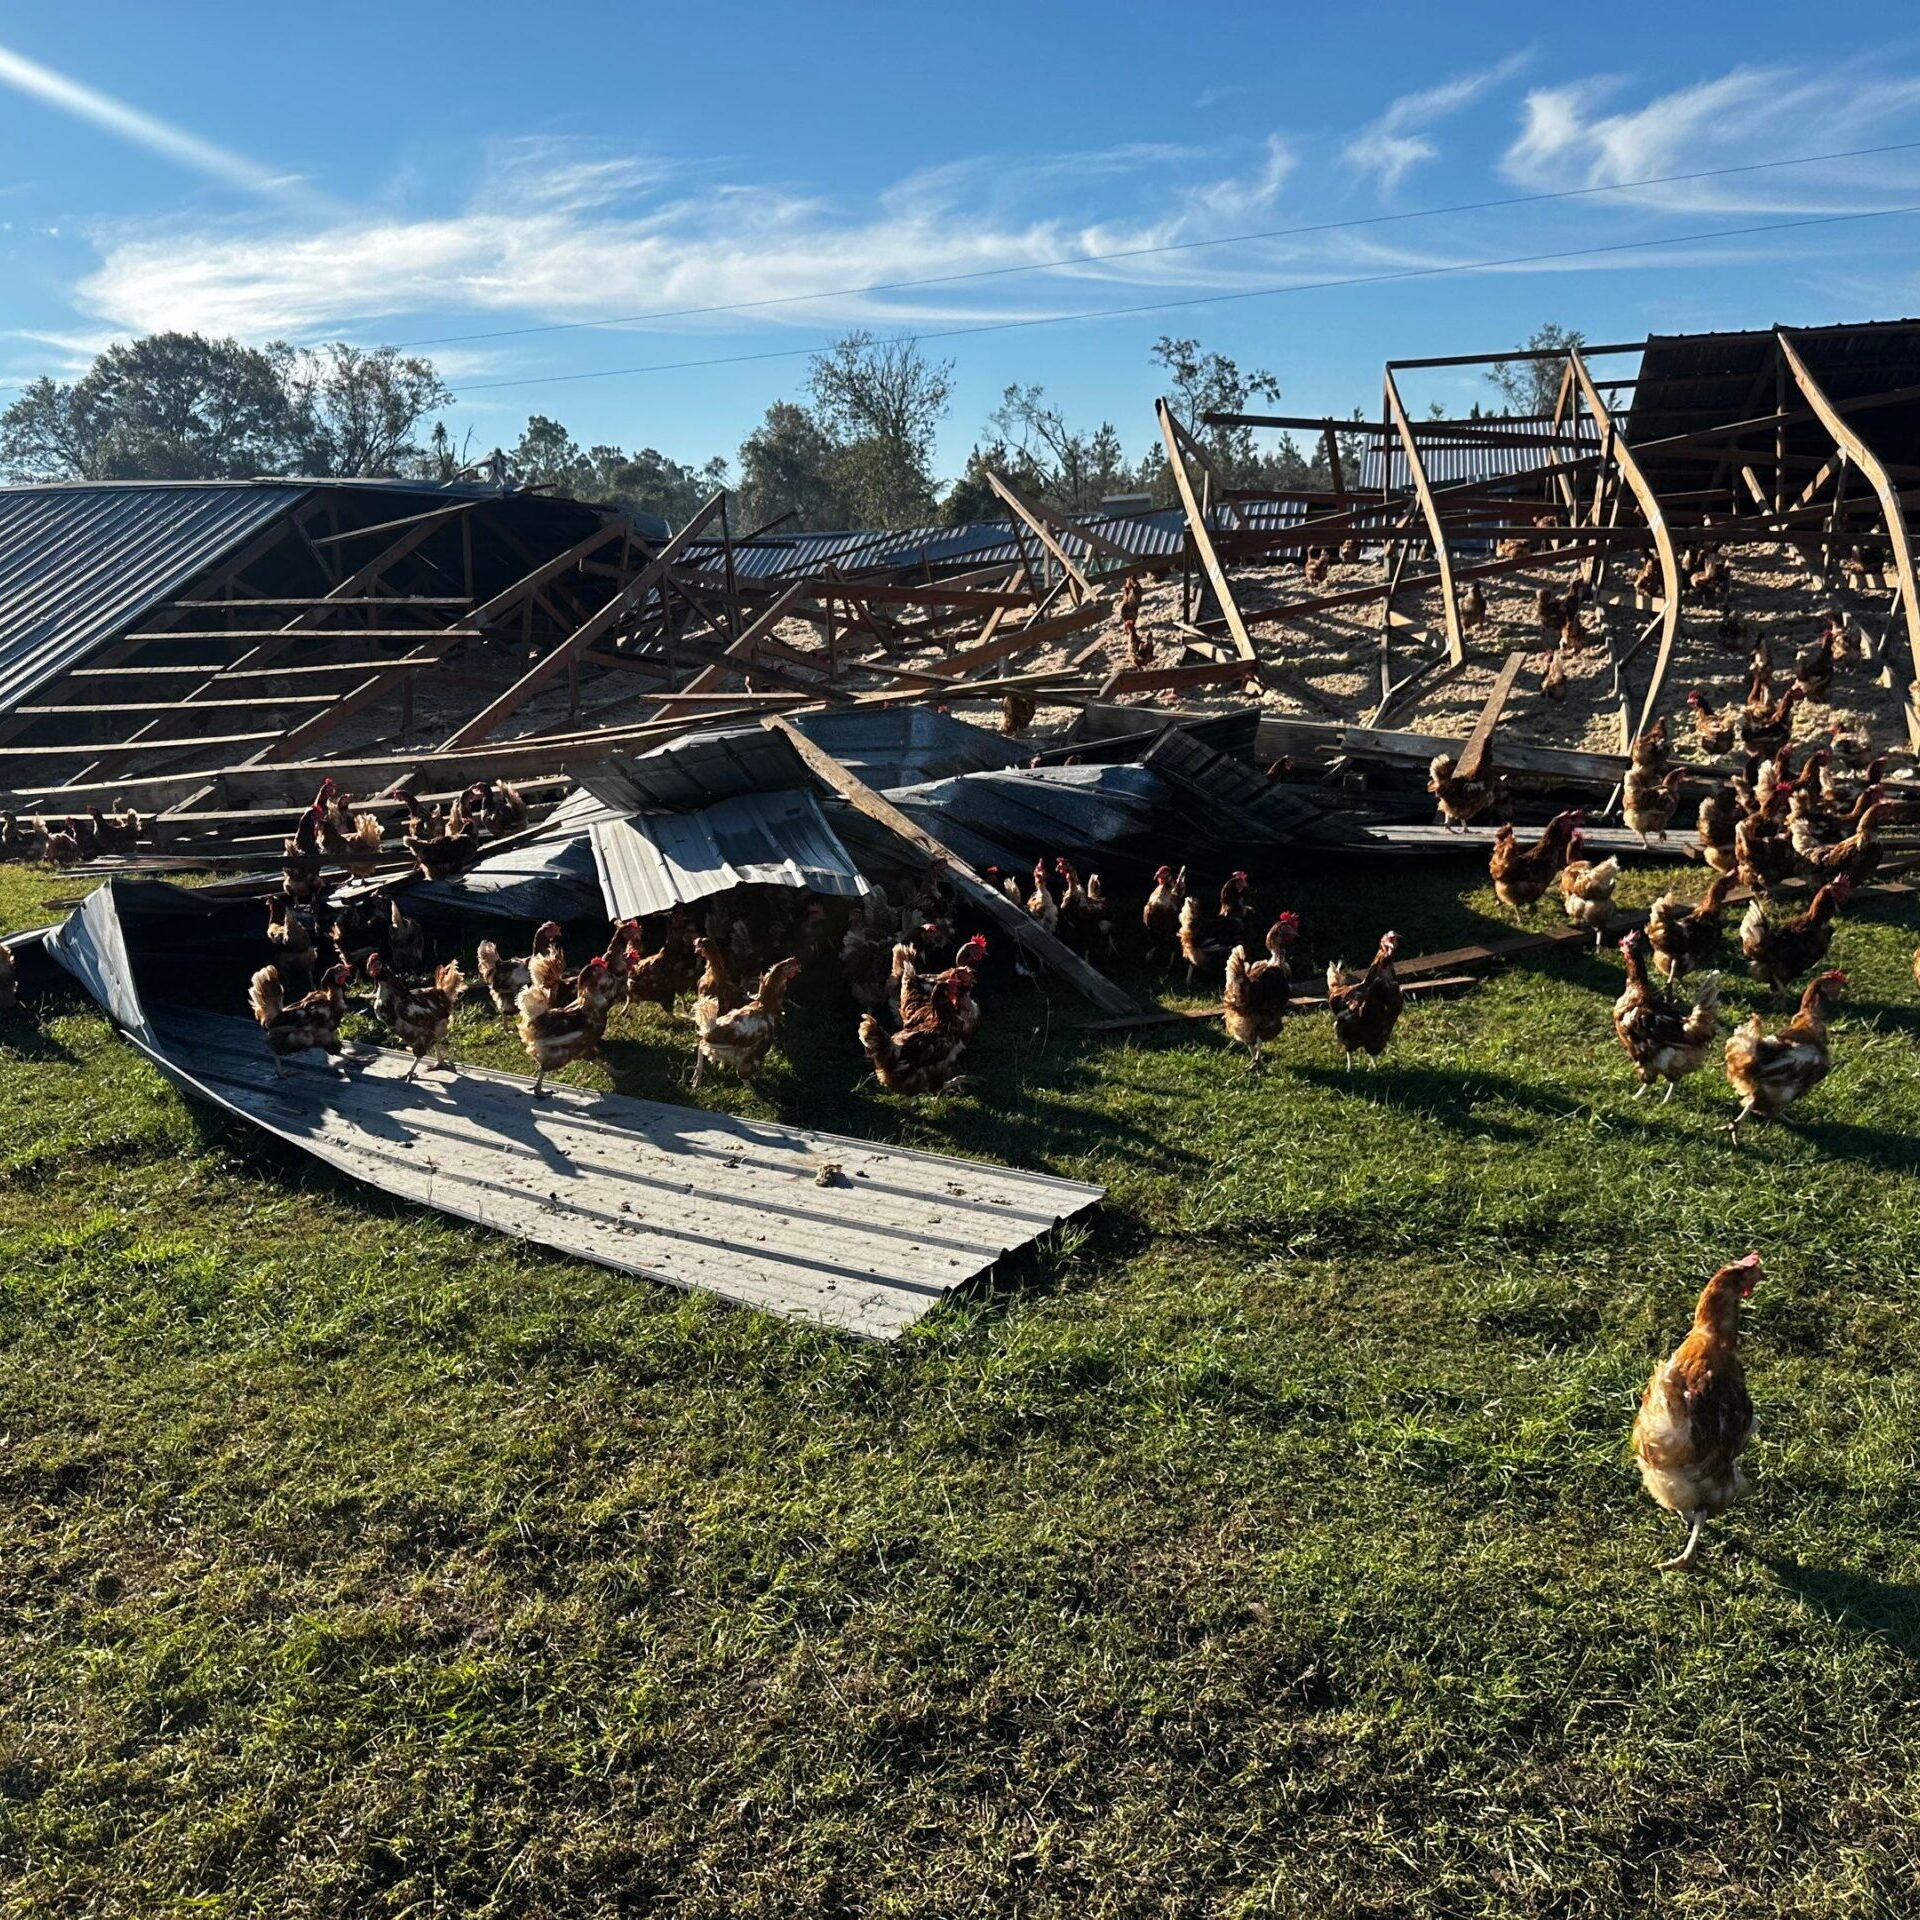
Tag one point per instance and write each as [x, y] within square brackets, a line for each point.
[1473, 756]
[986, 899]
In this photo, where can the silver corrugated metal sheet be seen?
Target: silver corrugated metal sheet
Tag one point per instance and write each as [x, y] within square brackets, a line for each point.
[982, 543]
[1450, 457]
[79, 564]
[704, 1201]
[659, 860]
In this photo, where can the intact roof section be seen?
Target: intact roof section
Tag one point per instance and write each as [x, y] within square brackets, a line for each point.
[80, 564]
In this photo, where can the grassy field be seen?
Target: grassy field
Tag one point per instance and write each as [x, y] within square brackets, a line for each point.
[1269, 1547]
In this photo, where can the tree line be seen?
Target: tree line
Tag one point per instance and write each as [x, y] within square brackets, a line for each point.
[855, 449]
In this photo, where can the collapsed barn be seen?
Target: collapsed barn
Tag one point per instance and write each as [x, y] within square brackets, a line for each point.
[1251, 676]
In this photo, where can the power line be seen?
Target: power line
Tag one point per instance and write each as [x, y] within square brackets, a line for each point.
[1211, 299]
[1144, 253]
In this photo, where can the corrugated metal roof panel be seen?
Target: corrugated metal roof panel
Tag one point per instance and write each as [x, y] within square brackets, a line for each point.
[79, 564]
[660, 860]
[1507, 449]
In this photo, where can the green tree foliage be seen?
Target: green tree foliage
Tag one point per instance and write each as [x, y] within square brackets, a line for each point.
[358, 409]
[1532, 386]
[174, 406]
[787, 472]
[646, 481]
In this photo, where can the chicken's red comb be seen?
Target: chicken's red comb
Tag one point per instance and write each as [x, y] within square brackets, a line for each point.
[1289, 919]
[978, 944]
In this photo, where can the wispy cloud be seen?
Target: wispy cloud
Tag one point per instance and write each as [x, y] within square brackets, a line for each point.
[557, 235]
[142, 129]
[1574, 136]
[1402, 138]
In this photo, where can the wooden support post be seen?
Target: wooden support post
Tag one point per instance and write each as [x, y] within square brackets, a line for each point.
[1436, 531]
[988, 900]
[1655, 516]
[1892, 514]
[1197, 531]
[742, 649]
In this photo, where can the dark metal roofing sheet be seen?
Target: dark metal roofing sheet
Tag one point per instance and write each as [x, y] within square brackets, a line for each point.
[80, 564]
[660, 860]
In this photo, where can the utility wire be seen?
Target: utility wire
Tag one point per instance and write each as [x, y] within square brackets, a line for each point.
[1172, 246]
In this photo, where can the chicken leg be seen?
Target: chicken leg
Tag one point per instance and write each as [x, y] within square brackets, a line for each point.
[1696, 1526]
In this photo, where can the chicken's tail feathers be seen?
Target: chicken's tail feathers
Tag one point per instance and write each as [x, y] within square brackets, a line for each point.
[450, 980]
[1753, 922]
[530, 1001]
[1336, 978]
[488, 957]
[1236, 967]
[1704, 1021]
[873, 1037]
[266, 996]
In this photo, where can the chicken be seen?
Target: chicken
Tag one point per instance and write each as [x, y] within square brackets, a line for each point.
[1317, 565]
[920, 1058]
[301, 860]
[1857, 857]
[1647, 580]
[1648, 801]
[1652, 751]
[291, 938]
[1714, 737]
[309, 1025]
[1258, 991]
[1766, 728]
[59, 846]
[1203, 941]
[1460, 801]
[1522, 875]
[17, 841]
[1683, 934]
[406, 943]
[737, 1038]
[118, 833]
[9, 980]
[1696, 1417]
[1664, 1039]
[1473, 608]
[1083, 908]
[660, 978]
[1366, 1008]
[506, 980]
[1718, 819]
[1017, 710]
[1042, 903]
[917, 987]
[1780, 953]
[1161, 914]
[452, 850]
[1350, 552]
[1586, 894]
[1770, 1071]
[1763, 856]
[1813, 667]
[82, 828]
[417, 1016]
[866, 957]
[555, 1037]
[1553, 682]
[506, 809]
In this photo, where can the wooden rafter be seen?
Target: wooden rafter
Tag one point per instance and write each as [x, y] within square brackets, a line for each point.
[1177, 438]
[1655, 516]
[1893, 514]
[1436, 530]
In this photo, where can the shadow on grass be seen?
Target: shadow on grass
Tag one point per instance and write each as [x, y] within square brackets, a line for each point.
[1887, 1608]
[1452, 1097]
[27, 1040]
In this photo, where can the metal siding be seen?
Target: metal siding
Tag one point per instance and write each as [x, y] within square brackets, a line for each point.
[660, 860]
[80, 564]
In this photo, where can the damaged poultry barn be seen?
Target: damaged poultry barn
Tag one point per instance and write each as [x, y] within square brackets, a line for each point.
[556, 712]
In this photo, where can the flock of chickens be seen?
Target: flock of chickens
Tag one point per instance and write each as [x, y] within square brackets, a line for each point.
[1769, 823]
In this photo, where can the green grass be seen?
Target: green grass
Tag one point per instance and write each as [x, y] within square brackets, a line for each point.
[1268, 1547]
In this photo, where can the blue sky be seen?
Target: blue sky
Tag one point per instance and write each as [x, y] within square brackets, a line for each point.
[430, 173]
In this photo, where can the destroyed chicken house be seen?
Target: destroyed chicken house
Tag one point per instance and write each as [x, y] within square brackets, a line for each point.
[1243, 676]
